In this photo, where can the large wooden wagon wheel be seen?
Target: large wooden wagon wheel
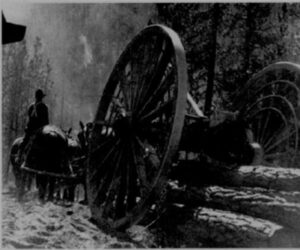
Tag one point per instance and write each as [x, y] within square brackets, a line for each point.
[269, 103]
[137, 129]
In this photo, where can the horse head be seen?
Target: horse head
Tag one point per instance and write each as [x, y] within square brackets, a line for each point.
[84, 134]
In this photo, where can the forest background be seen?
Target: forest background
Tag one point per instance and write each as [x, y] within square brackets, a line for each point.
[70, 49]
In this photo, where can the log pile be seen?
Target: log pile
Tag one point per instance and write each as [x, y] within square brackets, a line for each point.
[214, 227]
[252, 206]
[277, 178]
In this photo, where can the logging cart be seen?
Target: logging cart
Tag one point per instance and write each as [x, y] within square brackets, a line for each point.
[147, 121]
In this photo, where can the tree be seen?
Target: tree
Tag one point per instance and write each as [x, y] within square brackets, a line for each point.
[249, 36]
[22, 74]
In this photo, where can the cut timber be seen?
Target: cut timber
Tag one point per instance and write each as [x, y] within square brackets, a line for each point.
[267, 177]
[218, 228]
[273, 206]
[289, 196]
[195, 173]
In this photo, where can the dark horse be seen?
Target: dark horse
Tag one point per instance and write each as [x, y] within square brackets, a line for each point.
[55, 151]
[48, 152]
[16, 165]
[77, 155]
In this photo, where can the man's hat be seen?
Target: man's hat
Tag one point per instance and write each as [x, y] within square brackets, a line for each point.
[39, 93]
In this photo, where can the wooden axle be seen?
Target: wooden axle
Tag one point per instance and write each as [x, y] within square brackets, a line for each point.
[195, 106]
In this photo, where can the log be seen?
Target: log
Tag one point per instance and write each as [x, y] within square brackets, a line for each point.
[209, 227]
[279, 207]
[266, 177]
[289, 196]
[278, 178]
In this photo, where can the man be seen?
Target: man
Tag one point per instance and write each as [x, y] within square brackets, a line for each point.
[37, 113]
[37, 118]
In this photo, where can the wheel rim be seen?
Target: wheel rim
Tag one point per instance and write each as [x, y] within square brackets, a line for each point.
[274, 95]
[282, 78]
[137, 128]
[273, 122]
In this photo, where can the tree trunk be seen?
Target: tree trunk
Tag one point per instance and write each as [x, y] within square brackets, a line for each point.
[217, 228]
[195, 173]
[279, 207]
[248, 47]
[212, 58]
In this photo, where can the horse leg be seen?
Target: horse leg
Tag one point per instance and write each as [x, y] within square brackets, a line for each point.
[41, 184]
[72, 192]
[17, 175]
[85, 200]
[85, 192]
[21, 186]
[51, 188]
[29, 180]
[67, 193]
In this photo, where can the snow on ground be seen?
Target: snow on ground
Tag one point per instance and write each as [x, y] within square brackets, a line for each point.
[36, 224]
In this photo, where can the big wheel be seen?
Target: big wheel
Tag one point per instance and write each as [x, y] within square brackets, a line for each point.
[137, 129]
[270, 104]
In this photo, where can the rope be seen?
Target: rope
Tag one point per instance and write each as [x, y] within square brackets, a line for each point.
[62, 176]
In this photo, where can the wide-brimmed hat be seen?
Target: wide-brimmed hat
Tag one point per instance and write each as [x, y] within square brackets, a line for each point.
[39, 93]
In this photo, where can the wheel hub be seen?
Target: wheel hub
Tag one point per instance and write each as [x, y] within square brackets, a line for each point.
[124, 127]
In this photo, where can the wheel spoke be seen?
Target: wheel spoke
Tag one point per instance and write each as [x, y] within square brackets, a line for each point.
[261, 128]
[265, 128]
[144, 77]
[268, 140]
[102, 145]
[144, 58]
[129, 178]
[106, 179]
[114, 181]
[113, 108]
[120, 201]
[133, 191]
[158, 111]
[140, 165]
[98, 171]
[156, 59]
[158, 94]
[124, 89]
[157, 77]
[281, 138]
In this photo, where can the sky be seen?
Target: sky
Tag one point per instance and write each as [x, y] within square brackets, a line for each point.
[16, 11]
[82, 46]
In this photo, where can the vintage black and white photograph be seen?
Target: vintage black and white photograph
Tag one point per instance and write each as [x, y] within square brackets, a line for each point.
[150, 125]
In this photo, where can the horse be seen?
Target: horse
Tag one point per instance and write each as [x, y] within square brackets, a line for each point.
[76, 158]
[46, 152]
[77, 153]
[15, 163]
[56, 151]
